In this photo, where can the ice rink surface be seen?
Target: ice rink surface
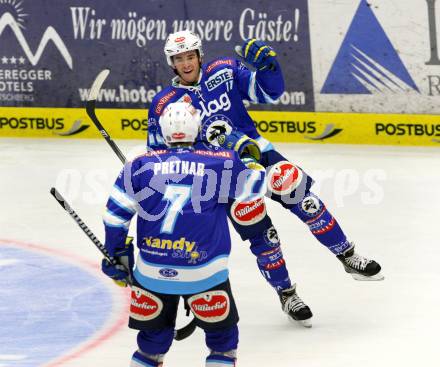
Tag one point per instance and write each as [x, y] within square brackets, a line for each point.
[56, 309]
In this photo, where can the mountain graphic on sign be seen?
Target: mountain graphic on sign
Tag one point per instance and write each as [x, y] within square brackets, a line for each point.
[367, 62]
[49, 35]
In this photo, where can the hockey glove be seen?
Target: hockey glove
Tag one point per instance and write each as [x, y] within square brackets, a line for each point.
[241, 143]
[122, 271]
[257, 54]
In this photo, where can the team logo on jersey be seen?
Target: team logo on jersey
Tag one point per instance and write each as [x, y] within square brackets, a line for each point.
[144, 305]
[284, 177]
[367, 62]
[223, 103]
[248, 213]
[214, 128]
[219, 78]
[310, 205]
[212, 306]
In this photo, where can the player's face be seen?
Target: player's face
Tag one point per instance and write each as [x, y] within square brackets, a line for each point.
[187, 65]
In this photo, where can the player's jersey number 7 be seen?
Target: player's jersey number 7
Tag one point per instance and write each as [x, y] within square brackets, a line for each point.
[177, 196]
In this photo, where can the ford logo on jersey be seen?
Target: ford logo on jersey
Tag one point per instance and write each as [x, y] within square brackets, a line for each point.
[168, 273]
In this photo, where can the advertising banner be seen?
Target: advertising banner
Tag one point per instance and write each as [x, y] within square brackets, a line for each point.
[52, 50]
[376, 56]
[287, 127]
[375, 63]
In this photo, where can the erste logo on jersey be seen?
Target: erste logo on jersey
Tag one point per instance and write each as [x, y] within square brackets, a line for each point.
[212, 306]
[284, 177]
[223, 103]
[144, 305]
[248, 213]
[219, 78]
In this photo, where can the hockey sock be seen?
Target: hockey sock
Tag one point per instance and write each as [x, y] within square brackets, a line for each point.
[273, 268]
[154, 342]
[270, 260]
[222, 340]
[312, 211]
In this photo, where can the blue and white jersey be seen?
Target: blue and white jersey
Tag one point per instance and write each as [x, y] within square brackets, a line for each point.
[223, 85]
[180, 197]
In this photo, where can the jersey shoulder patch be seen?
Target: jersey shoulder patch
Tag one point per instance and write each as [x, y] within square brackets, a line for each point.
[223, 154]
[161, 99]
[220, 63]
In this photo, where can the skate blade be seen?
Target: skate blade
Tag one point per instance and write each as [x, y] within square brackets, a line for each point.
[305, 323]
[364, 278]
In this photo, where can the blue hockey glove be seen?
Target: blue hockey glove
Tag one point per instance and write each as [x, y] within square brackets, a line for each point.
[241, 143]
[257, 53]
[122, 272]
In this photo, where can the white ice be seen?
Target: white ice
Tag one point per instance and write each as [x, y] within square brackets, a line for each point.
[387, 200]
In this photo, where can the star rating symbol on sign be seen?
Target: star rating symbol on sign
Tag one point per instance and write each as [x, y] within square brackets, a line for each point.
[13, 60]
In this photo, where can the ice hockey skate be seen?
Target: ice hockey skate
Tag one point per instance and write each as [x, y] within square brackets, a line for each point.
[360, 268]
[295, 308]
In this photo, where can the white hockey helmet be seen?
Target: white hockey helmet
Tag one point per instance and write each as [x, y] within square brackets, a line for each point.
[179, 42]
[180, 123]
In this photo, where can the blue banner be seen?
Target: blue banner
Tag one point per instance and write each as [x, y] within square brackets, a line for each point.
[51, 51]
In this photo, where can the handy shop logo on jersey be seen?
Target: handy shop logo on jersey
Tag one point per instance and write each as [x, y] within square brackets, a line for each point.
[18, 65]
[367, 62]
[178, 249]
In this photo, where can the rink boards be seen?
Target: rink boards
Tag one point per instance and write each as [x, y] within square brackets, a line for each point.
[285, 126]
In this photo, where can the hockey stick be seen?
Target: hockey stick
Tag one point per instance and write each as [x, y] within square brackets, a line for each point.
[65, 205]
[188, 329]
[90, 108]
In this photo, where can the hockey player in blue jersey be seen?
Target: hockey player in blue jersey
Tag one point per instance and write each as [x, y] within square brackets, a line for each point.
[180, 196]
[218, 88]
